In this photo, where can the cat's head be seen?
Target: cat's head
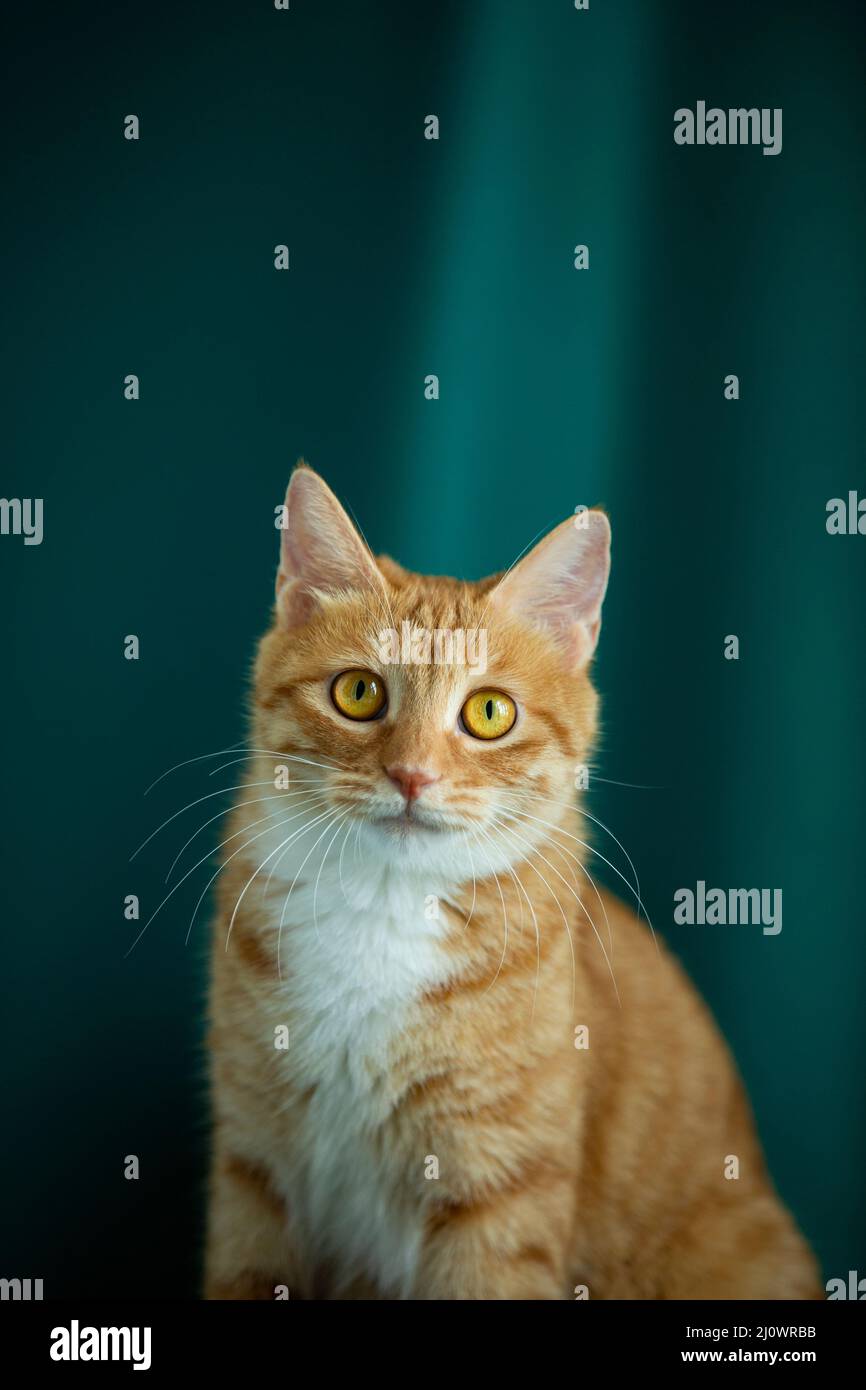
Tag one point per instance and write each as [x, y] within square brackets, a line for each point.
[451, 719]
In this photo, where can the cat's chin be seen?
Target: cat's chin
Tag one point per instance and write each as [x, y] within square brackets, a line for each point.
[415, 842]
[409, 827]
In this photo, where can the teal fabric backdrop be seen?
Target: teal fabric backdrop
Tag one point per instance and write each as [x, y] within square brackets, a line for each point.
[558, 388]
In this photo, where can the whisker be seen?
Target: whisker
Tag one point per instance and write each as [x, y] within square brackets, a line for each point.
[282, 847]
[595, 820]
[340, 864]
[504, 829]
[474, 886]
[578, 900]
[286, 757]
[279, 796]
[319, 874]
[504, 920]
[276, 862]
[560, 831]
[240, 786]
[203, 860]
[522, 890]
[635, 786]
[232, 856]
[563, 849]
[291, 891]
[235, 748]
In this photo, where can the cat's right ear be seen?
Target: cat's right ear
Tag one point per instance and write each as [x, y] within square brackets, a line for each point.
[321, 552]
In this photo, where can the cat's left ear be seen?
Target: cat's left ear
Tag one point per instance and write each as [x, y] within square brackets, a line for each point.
[320, 551]
[561, 583]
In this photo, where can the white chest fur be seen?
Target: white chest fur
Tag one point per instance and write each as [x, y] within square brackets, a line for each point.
[358, 947]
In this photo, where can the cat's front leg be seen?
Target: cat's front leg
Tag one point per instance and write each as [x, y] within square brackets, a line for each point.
[507, 1241]
[248, 1252]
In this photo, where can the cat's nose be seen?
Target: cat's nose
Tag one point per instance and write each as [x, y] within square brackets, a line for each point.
[411, 780]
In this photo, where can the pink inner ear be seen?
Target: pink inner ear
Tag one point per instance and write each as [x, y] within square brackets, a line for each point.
[319, 550]
[578, 642]
[295, 603]
[561, 584]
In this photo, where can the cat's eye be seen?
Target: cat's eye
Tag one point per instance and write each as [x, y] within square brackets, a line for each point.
[359, 694]
[488, 714]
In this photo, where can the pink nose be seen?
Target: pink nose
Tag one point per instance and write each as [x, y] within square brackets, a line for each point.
[411, 780]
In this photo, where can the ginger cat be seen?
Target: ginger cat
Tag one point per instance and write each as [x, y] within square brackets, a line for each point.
[406, 943]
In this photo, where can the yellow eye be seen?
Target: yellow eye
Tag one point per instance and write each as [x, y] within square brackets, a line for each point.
[359, 694]
[488, 714]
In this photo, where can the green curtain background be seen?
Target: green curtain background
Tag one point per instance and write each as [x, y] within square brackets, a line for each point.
[558, 388]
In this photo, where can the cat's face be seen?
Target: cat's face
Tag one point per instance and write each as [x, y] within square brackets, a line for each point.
[442, 720]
